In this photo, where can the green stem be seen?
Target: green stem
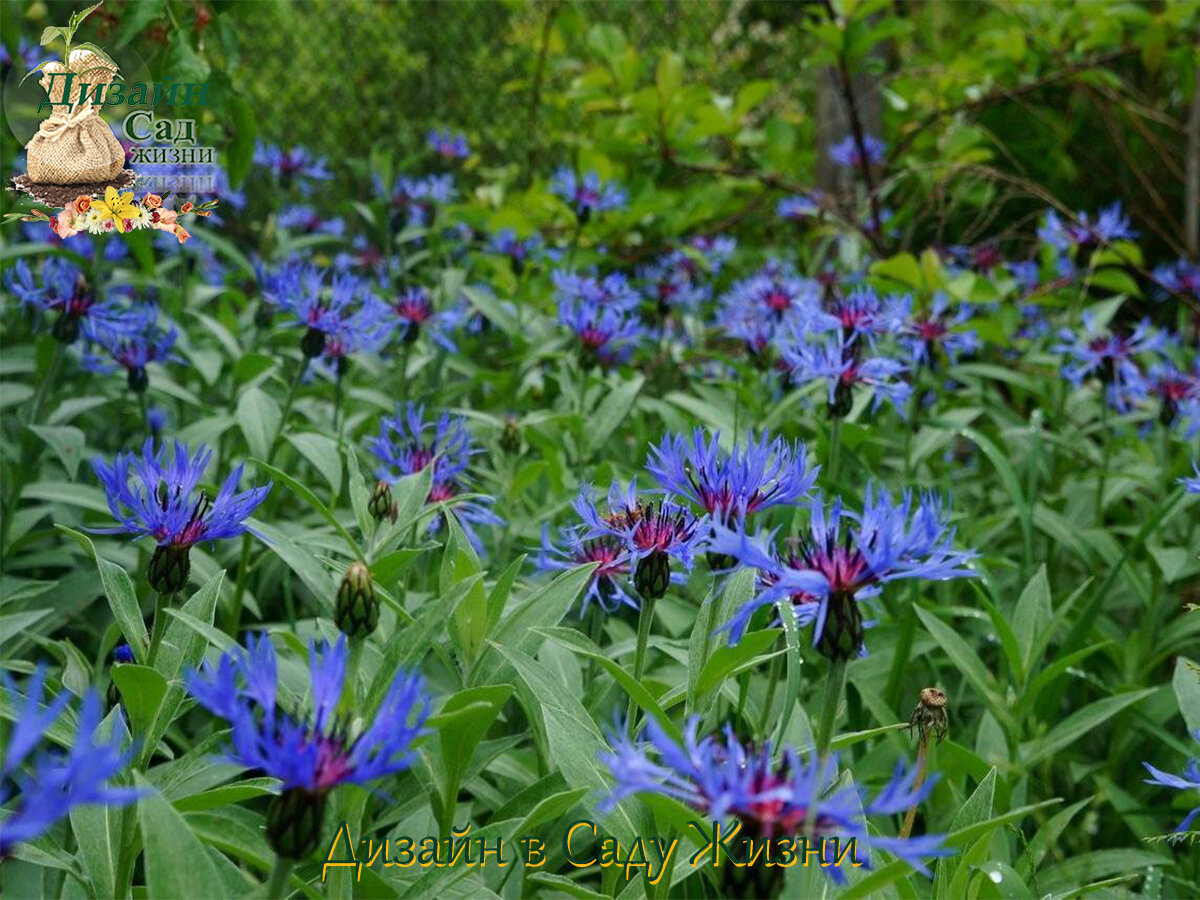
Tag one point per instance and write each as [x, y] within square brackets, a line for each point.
[287, 408]
[835, 450]
[1107, 450]
[645, 619]
[277, 886]
[158, 626]
[772, 684]
[835, 686]
[574, 244]
[45, 384]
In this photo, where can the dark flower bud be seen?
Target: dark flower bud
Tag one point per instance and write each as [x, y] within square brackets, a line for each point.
[382, 505]
[652, 576]
[343, 366]
[312, 344]
[583, 214]
[294, 821]
[169, 568]
[66, 328]
[843, 400]
[357, 609]
[122, 655]
[138, 379]
[931, 715]
[842, 637]
[510, 437]
[263, 315]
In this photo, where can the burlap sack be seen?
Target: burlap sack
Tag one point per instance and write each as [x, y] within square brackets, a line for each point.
[75, 145]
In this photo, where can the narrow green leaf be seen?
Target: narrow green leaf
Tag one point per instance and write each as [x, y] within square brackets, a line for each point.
[122, 599]
[175, 860]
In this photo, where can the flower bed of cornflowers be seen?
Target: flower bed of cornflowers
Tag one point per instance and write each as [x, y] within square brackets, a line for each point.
[403, 524]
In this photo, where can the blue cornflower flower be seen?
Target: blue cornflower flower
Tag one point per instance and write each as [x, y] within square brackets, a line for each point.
[757, 475]
[588, 194]
[838, 360]
[1181, 276]
[60, 780]
[132, 347]
[519, 250]
[719, 777]
[62, 289]
[612, 291]
[326, 313]
[1178, 393]
[861, 313]
[774, 296]
[671, 285]
[715, 248]
[28, 53]
[364, 330]
[122, 654]
[448, 144]
[1110, 225]
[407, 443]
[828, 571]
[1192, 485]
[1027, 274]
[414, 313]
[800, 206]
[845, 152]
[161, 506]
[652, 533]
[310, 753]
[306, 219]
[935, 332]
[294, 163]
[1109, 357]
[607, 335]
[1189, 780]
[418, 198]
[605, 585]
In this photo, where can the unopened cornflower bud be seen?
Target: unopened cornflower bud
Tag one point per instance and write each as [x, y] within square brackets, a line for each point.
[510, 437]
[652, 576]
[357, 609]
[931, 714]
[169, 568]
[66, 328]
[122, 655]
[294, 821]
[842, 636]
[382, 505]
[138, 379]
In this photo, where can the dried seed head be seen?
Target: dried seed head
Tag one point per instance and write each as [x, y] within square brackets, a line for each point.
[931, 714]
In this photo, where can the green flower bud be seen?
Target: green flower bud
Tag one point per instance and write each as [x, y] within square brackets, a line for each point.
[357, 609]
[652, 576]
[382, 505]
[510, 437]
[169, 568]
[294, 821]
[842, 637]
[313, 343]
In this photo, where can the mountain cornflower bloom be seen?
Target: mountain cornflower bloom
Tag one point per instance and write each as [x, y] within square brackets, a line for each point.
[364, 330]
[840, 361]
[845, 152]
[518, 250]
[605, 586]
[407, 443]
[295, 163]
[861, 313]
[719, 777]
[774, 295]
[933, 333]
[607, 335]
[1181, 277]
[671, 285]
[1192, 485]
[131, 346]
[800, 206]
[758, 474]
[843, 559]
[307, 220]
[1027, 274]
[1177, 392]
[299, 288]
[587, 194]
[652, 533]
[1108, 356]
[715, 248]
[418, 199]
[63, 290]
[1188, 780]
[311, 753]
[59, 780]
[448, 144]
[612, 291]
[415, 313]
[1110, 225]
[160, 505]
